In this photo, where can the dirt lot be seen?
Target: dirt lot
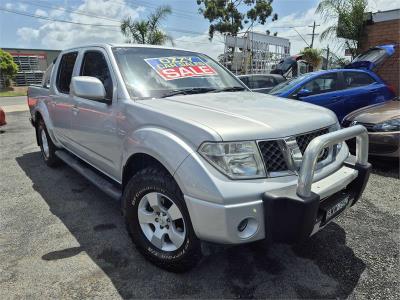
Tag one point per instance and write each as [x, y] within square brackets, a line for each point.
[62, 238]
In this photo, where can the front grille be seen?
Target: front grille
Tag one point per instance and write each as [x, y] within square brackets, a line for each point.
[273, 156]
[304, 139]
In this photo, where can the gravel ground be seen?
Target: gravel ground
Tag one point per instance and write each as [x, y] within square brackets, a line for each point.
[60, 237]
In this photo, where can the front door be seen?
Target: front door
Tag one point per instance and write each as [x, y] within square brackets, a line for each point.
[324, 90]
[94, 122]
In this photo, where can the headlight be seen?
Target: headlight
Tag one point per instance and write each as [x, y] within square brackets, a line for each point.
[390, 125]
[237, 160]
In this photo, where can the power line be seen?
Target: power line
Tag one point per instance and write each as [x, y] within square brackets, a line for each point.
[90, 24]
[174, 12]
[301, 37]
[70, 11]
[52, 19]
[103, 25]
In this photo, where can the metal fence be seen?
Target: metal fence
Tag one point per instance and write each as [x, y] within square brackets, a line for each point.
[29, 72]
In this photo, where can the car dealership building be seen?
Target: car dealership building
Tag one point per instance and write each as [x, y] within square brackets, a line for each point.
[32, 63]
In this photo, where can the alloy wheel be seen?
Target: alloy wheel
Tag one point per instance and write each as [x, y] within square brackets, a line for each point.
[161, 221]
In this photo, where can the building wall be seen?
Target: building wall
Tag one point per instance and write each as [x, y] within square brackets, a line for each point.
[386, 32]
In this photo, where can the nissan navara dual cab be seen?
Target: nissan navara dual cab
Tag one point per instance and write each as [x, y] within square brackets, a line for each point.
[191, 153]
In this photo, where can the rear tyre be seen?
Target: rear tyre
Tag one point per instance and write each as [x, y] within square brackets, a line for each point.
[158, 221]
[47, 148]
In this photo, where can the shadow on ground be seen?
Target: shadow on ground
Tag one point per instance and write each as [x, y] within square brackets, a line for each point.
[385, 166]
[324, 267]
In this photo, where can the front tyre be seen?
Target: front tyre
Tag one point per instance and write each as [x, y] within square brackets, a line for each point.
[47, 148]
[158, 221]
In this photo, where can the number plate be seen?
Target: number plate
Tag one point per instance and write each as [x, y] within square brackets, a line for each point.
[337, 208]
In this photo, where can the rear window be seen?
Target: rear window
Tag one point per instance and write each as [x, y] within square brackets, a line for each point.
[65, 70]
[356, 79]
[263, 82]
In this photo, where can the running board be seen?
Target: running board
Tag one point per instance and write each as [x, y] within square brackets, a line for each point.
[86, 171]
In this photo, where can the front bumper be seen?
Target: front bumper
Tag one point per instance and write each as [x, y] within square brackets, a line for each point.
[284, 209]
[290, 218]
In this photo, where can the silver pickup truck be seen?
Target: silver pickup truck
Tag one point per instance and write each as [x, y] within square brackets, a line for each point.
[191, 153]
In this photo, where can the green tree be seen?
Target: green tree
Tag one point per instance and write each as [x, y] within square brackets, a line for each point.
[147, 31]
[312, 56]
[229, 16]
[350, 21]
[8, 68]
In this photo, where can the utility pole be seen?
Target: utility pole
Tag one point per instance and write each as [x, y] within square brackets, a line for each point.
[313, 33]
[327, 58]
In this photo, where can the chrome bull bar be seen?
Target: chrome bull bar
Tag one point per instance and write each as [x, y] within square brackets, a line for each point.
[310, 156]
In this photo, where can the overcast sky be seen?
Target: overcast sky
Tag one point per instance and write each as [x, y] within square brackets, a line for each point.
[185, 25]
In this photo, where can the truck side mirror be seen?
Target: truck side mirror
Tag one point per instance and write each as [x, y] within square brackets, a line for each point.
[303, 93]
[88, 87]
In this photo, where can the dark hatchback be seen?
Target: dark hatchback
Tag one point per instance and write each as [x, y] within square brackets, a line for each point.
[261, 83]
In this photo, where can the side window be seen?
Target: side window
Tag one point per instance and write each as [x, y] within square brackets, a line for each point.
[356, 79]
[245, 80]
[94, 64]
[322, 84]
[46, 77]
[250, 82]
[65, 70]
[263, 82]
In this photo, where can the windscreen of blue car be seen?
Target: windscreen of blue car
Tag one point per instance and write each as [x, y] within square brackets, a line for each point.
[286, 86]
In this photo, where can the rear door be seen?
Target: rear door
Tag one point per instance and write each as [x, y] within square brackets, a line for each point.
[361, 89]
[94, 123]
[62, 103]
[324, 90]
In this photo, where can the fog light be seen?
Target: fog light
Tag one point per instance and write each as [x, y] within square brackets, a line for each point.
[242, 225]
[247, 228]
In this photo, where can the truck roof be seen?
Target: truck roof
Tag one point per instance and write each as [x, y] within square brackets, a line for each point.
[106, 45]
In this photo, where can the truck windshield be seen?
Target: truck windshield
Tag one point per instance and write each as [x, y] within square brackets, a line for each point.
[157, 72]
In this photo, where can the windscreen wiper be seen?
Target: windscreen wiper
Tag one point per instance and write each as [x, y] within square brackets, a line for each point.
[187, 92]
[229, 89]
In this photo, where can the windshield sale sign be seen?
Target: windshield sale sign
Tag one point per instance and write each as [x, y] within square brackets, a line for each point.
[178, 67]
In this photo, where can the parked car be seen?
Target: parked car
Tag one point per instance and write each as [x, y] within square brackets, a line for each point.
[2, 117]
[261, 83]
[190, 153]
[383, 124]
[342, 90]
[292, 66]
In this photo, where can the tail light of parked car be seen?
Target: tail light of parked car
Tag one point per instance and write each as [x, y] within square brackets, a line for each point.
[391, 88]
[2, 117]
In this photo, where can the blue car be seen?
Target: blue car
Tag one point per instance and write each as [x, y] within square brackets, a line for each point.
[342, 90]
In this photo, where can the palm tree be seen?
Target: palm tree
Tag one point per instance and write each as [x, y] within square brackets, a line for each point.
[312, 56]
[350, 21]
[147, 31]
